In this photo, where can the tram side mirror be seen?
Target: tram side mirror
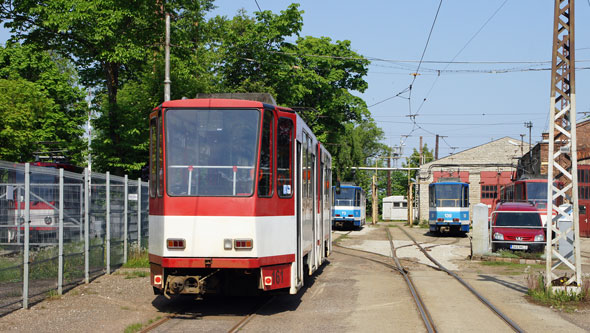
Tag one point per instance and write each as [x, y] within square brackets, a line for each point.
[337, 187]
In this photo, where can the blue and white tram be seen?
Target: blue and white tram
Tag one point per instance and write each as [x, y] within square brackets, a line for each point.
[448, 206]
[349, 207]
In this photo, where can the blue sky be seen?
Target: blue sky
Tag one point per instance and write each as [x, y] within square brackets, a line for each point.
[470, 103]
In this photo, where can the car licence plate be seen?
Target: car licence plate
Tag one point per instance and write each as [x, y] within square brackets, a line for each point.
[518, 247]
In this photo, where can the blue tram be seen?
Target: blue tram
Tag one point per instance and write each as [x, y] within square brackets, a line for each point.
[448, 206]
[349, 206]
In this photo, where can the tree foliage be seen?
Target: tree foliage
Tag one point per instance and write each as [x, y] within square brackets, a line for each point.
[117, 49]
[40, 103]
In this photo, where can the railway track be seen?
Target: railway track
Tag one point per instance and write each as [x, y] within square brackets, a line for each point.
[177, 318]
[428, 322]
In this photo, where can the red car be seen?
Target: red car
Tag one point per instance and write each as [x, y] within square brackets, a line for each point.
[517, 226]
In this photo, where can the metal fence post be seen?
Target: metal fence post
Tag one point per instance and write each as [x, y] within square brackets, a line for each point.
[86, 225]
[125, 206]
[60, 270]
[108, 221]
[26, 225]
[139, 213]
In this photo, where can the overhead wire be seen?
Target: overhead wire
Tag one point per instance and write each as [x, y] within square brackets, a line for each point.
[453, 59]
[417, 72]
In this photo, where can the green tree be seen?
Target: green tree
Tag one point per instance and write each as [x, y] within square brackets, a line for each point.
[58, 114]
[23, 108]
[109, 41]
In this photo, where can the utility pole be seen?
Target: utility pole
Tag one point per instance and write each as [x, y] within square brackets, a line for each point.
[89, 130]
[436, 149]
[408, 200]
[420, 161]
[389, 176]
[167, 61]
[562, 154]
[521, 143]
[436, 146]
[529, 125]
[375, 198]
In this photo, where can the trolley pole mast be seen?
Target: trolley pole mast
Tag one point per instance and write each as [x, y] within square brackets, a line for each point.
[167, 61]
[562, 156]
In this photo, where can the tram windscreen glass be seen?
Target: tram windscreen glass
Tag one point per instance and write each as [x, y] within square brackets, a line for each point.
[536, 191]
[449, 195]
[211, 152]
[345, 197]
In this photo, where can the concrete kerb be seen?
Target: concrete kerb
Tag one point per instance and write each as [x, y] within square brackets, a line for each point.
[510, 260]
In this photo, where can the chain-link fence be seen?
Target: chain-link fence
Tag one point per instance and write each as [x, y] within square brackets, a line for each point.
[59, 228]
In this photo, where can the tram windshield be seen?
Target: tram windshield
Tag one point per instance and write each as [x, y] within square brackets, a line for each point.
[211, 152]
[345, 197]
[449, 195]
[536, 191]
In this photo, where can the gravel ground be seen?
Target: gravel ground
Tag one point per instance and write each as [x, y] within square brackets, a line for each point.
[115, 302]
[108, 304]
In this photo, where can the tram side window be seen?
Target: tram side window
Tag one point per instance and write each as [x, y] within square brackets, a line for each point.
[153, 140]
[310, 167]
[284, 157]
[160, 163]
[266, 156]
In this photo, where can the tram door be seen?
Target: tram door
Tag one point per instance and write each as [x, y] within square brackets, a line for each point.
[584, 225]
[584, 199]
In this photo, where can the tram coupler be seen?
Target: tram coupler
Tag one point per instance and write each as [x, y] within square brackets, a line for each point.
[186, 284]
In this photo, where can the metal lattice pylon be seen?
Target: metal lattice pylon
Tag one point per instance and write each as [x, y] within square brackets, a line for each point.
[562, 173]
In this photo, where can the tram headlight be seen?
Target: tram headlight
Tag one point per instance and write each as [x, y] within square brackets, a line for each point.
[48, 220]
[228, 244]
[498, 236]
[21, 220]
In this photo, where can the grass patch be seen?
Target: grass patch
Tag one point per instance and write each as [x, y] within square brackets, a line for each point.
[135, 274]
[138, 326]
[137, 259]
[511, 264]
[133, 328]
[561, 300]
[52, 295]
[507, 254]
[341, 238]
[11, 269]
[519, 254]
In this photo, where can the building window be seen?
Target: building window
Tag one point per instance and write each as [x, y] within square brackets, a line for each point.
[489, 191]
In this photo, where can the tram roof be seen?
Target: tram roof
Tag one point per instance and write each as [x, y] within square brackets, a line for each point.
[449, 183]
[214, 103]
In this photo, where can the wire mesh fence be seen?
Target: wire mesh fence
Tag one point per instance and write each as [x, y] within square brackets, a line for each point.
[60, 228]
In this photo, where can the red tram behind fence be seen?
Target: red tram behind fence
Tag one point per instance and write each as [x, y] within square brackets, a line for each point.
[239, 198]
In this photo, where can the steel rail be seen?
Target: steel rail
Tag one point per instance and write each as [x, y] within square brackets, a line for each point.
[499, 313]
[426, 318]
[250, 316]
[234, 329]
[365, 258]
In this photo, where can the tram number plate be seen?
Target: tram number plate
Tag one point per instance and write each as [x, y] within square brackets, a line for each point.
[276, 276]
[518, 247]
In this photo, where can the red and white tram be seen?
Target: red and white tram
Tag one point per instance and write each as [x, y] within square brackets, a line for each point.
[239, 198]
